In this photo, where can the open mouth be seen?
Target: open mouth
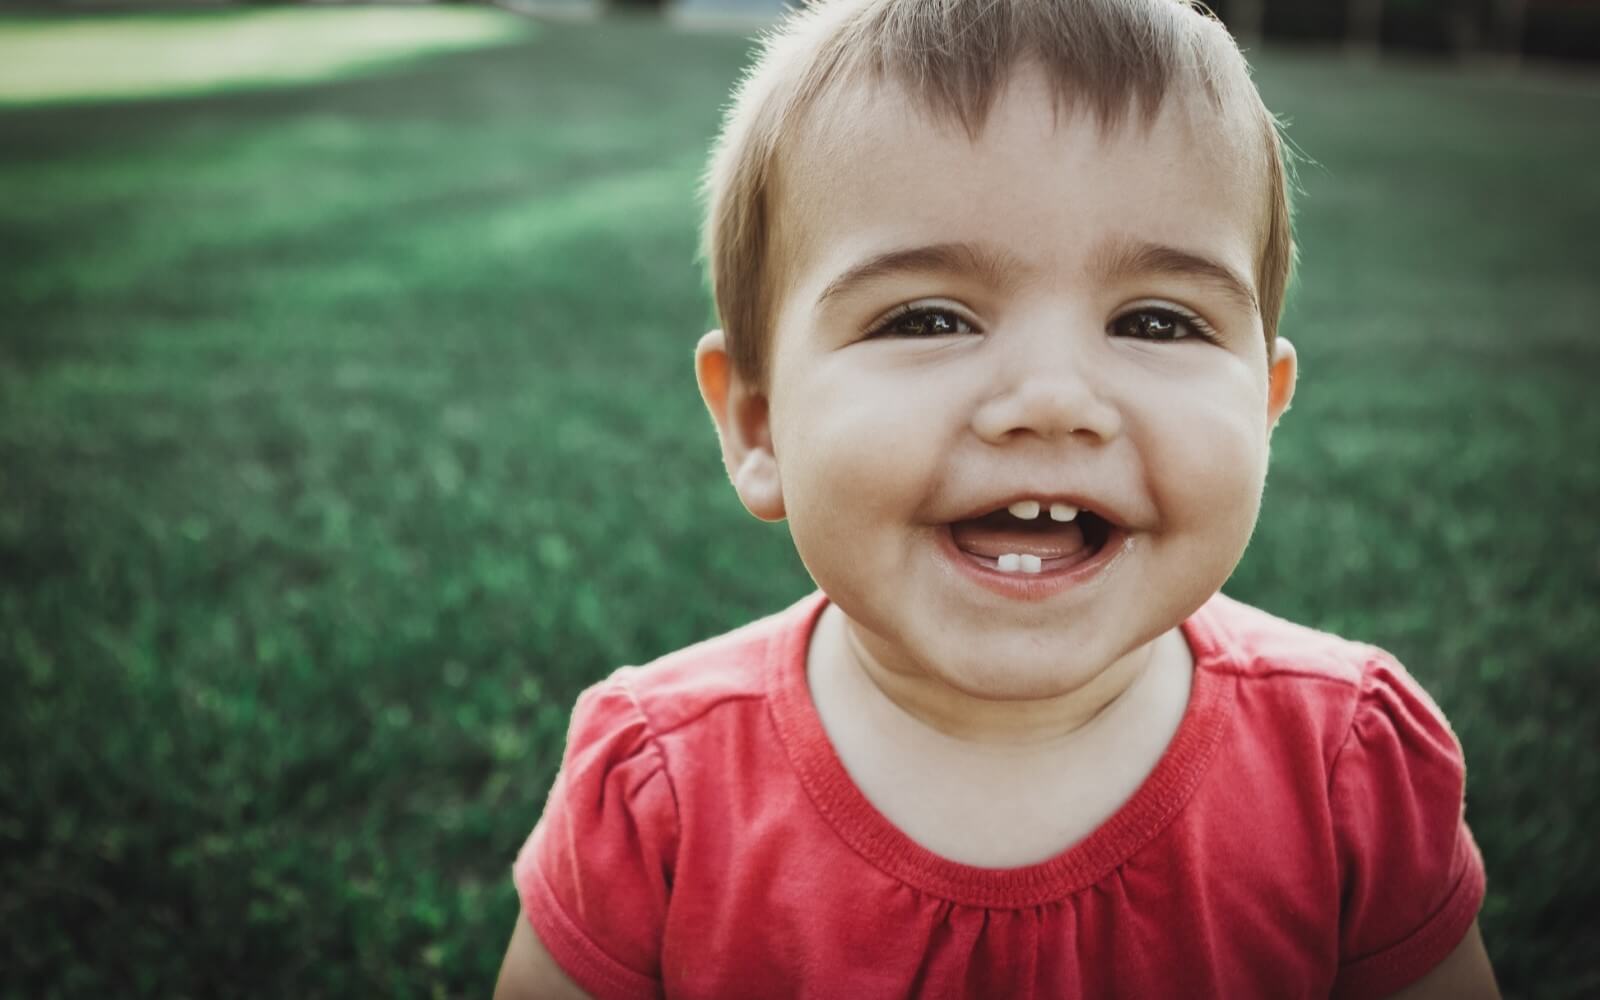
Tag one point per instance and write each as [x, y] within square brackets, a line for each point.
[1032, 537]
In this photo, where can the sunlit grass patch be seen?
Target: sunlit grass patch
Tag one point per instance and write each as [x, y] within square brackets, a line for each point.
[153, 55]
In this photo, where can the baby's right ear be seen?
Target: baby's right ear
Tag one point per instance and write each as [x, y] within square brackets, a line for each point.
[740, 412]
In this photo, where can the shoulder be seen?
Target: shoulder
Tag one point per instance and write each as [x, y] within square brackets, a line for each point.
[1373, 757]
[1260, 645]
[1341, 688]
[641, 729]
[685, 686]
[596, 874]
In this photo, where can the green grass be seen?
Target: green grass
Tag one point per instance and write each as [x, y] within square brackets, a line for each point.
[347, 430]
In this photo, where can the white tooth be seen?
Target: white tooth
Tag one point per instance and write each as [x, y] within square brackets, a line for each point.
[1062, 512]
[1025, 509]
[1010, 562]
[1031, 563]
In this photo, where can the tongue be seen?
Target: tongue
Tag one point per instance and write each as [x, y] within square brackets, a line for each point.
[980, 539]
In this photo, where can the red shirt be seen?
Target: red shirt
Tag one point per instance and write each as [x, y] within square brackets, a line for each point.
[1302, 836]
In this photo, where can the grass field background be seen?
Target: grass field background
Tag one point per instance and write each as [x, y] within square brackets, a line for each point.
[347, 430]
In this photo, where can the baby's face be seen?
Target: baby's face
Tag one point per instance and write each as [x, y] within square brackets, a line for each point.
[977, 339]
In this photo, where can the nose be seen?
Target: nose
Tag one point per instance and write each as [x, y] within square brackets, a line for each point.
[1052, 390]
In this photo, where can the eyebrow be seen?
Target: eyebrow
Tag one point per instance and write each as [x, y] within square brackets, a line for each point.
[994, 266]
[1123, 257]
[1130, 257]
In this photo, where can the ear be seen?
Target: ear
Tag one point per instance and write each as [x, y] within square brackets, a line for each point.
[740, 412]
[1280, 379]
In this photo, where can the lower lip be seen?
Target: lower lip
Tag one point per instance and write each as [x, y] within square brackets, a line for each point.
[1034, 586]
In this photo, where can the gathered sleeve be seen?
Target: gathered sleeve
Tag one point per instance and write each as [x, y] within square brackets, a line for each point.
[594, 876]
[1412, 879]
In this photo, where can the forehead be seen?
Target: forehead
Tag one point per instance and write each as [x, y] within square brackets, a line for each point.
[876, 168]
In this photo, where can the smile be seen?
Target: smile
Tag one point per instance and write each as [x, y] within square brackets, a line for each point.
[1018, 551]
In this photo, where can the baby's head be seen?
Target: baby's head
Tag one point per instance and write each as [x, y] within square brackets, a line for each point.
[1116, 60]
[982, 263]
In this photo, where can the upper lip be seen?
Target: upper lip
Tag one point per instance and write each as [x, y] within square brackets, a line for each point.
[1046, 498]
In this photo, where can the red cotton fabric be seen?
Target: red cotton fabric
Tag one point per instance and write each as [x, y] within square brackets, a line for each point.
[1302, 836]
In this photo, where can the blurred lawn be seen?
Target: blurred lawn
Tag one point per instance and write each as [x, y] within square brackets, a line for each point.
[348, 430]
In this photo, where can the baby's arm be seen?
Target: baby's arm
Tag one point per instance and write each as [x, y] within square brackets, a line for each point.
[529, 973]
[1465, 974]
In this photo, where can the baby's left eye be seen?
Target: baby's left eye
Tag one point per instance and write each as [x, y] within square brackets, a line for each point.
[1159, 324]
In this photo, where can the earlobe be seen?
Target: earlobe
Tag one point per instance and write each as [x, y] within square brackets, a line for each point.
[757, 483]
[1280, 379]
[740, 413]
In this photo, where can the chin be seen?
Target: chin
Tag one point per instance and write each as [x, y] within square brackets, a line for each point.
[1021, 671]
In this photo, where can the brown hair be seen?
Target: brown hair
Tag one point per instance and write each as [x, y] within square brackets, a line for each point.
[955, 55]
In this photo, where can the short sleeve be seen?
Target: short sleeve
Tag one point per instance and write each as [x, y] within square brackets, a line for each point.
[1412, 879]
[594, 876]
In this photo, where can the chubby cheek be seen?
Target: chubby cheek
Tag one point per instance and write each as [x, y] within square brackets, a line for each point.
[857, 467]
[1206, 461]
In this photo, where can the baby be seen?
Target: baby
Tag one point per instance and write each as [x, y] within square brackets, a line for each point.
[999, 284]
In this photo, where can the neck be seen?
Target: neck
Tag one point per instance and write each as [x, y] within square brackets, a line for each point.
[926, 706]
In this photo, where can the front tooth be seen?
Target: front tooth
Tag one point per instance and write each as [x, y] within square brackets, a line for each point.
[1010, 562]
[1031, 563]
[1062, 512]
[1025, 509]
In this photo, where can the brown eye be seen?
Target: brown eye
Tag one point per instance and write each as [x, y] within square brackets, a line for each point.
[922, 322]
[1153, 324]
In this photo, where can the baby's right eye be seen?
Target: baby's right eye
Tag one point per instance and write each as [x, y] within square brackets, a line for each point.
[921, 321]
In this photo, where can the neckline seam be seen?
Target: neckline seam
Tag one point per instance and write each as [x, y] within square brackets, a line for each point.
[858, 824]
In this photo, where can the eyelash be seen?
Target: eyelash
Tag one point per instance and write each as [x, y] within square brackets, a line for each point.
[1198, 328]
[886, 326]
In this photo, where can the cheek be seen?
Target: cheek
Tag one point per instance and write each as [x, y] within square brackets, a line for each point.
[1206, 463]
[853, 450]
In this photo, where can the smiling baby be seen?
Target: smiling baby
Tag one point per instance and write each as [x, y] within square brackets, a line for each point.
[999, 284]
